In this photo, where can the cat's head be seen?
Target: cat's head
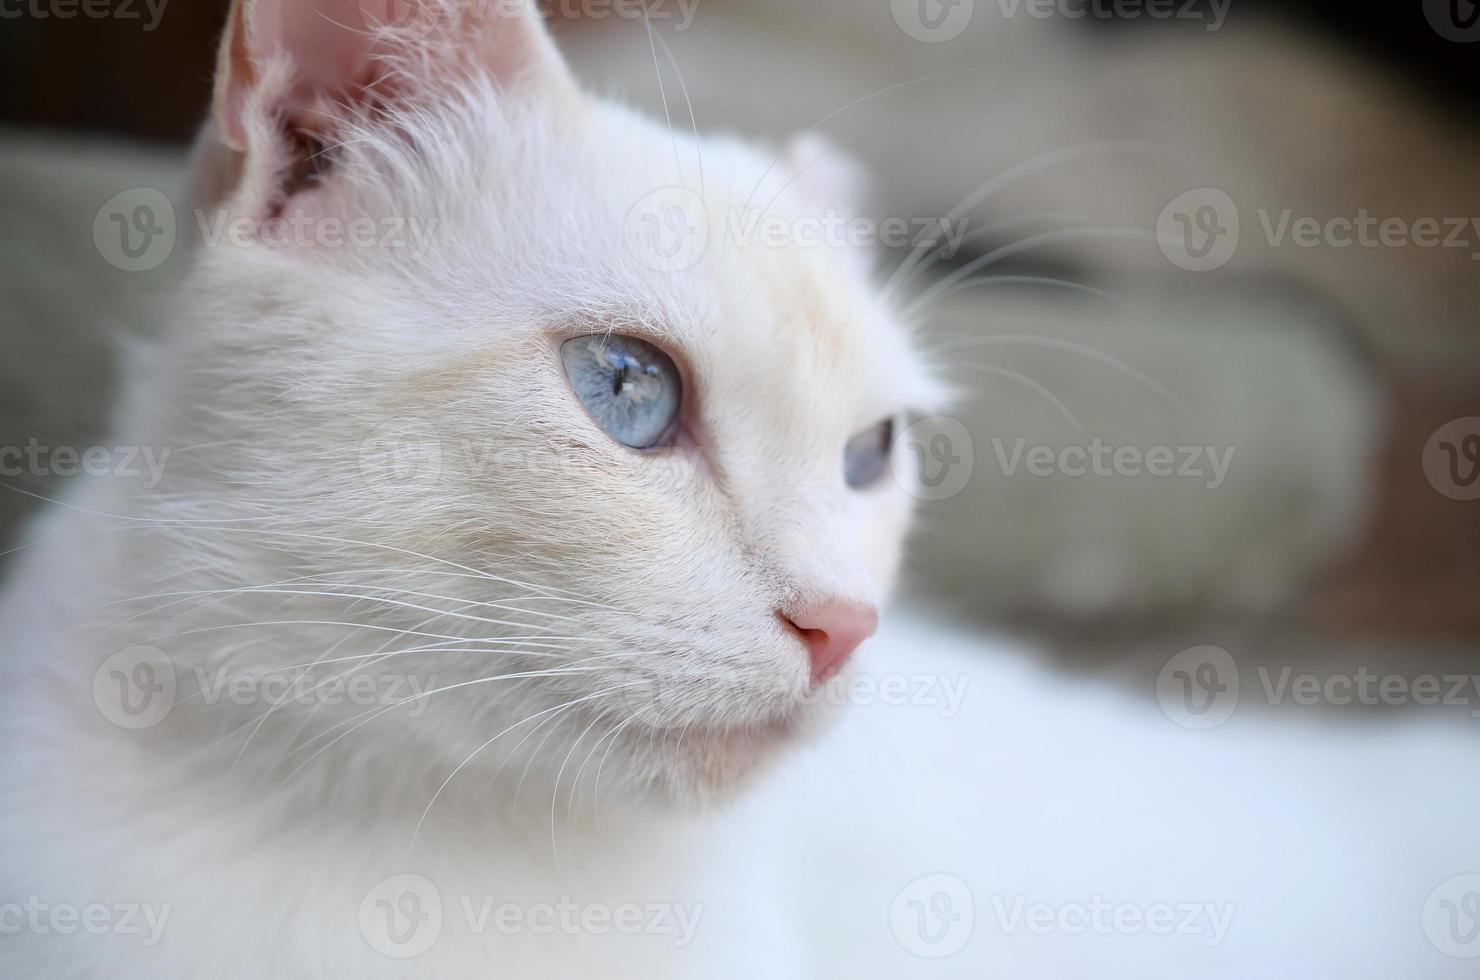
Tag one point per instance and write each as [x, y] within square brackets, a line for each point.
[556, 390]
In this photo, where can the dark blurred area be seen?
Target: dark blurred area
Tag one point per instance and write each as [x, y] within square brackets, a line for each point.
[142, 76]
[149, 76]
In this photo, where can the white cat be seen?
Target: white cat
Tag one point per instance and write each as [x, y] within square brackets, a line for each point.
[653, 502]
[517, 519]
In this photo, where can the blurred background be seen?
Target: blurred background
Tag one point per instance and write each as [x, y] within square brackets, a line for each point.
[1212, 314]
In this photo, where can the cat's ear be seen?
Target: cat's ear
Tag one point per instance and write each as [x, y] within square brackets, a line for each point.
[287, 70]
[826, 174]
[831, 183]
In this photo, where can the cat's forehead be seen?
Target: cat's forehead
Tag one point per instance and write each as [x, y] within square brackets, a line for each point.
[809, 317]
[726, 253]
[754, 276]
[780, 332]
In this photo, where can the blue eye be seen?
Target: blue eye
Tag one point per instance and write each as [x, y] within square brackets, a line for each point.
[631, 388]
[867, 455]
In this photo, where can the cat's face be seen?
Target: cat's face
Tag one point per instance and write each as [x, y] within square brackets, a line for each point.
[574, 420]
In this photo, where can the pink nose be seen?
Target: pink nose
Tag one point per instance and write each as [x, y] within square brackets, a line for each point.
[832, 630]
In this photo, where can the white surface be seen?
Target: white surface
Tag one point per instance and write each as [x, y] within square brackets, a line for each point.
[1323, 839]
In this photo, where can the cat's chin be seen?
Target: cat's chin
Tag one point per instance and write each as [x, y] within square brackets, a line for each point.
[704, 768]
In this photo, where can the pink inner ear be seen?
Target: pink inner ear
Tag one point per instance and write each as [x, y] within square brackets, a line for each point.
[326, 42]
[329, 41]
[331, 47]
[332, 53]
